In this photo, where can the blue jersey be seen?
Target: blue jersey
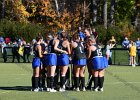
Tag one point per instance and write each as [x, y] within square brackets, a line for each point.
[98, 61]
[97, 52]
[36, 60]
[138, 43]
[51, 47]
[81, 35]
[125, 43]
[62, 59]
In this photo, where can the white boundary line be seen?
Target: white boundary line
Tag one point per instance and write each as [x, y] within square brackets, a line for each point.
[4, 92]
[16, 74]
[121, 82]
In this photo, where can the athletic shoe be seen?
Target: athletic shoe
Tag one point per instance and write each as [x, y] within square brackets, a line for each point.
[83, 89]
[52, 90]
[48, 89]
[40, 89]
[36, 89]
[76, 89]
[64, 87]
[101, 89]
[133, 65]
[95, 89]
[61, 89]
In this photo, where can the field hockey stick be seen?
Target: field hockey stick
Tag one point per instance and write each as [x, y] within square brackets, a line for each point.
[72, 75]
[89, 77]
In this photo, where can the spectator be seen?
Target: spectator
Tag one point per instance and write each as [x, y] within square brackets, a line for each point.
[7, 40]
[109, 46]
[1, 39]
[81, 34]
[21, 50]
[133, 54]
[15, 52]
[138, 49]
[32, 44]
[125, 43]
[3, 44]
[95, 34]
[3, 51]
[27, 50]
[113, 40]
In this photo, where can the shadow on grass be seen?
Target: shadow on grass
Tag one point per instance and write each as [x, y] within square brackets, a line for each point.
[17, 88]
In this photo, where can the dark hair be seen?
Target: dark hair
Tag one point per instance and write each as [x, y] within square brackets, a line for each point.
[75, 36]
[38, 38]
[64, 35]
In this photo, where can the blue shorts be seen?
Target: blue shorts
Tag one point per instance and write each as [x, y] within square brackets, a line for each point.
[50, 59]
[80, 62]
[62, 60]
[99, 63]
[36, 62]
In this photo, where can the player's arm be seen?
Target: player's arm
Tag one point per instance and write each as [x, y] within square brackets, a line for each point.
[39, 51]
[68, 47]
[89, 52]
[56, 43]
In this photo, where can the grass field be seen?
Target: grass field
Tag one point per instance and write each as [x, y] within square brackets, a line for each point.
[121, 83]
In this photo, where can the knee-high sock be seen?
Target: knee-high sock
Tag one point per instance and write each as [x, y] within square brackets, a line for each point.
[82, 81]
[48, 82]
[96, 82]
[76, 82]
[62, 81]
[33, 82]
[43, 81]
[36, 82]
[40, 82]
[101, 82]
[51, 82]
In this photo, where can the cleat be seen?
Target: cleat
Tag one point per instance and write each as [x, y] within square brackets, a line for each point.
[95, 89]
[76, 89]
[83, 89]
[52, 90]
[48, 89]
[62, 90]
[101, 89]
[133, 65]
[35, 90]
[40, 89]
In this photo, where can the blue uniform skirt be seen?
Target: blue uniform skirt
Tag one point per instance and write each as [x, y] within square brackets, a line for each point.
[99, 62]
[62, 60]
[80, 62]
[50, 59]
[36, 62]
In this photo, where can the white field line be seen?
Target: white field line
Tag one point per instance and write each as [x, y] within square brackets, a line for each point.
[112, 83]
[15, 74]
[4, 92]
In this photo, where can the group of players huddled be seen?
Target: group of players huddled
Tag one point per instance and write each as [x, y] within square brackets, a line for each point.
[59, 53]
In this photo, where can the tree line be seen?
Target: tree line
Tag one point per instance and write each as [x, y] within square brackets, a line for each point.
[69, 14]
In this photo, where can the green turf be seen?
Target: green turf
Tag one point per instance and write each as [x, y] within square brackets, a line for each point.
[121, 83]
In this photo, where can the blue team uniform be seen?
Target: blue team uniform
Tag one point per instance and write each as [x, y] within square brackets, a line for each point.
[50, 59]
[36, 60]
[62, 59]
[98, 61]
[79, 57]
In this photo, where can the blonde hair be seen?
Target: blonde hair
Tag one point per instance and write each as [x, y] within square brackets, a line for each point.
[91, 39]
